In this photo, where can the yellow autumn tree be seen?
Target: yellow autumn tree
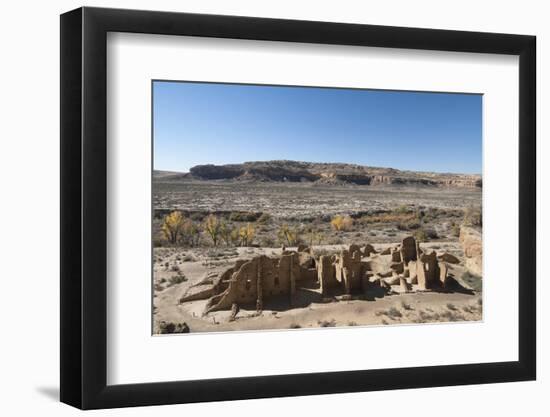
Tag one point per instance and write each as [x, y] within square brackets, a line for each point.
[246, 234]
[340, 223]
[173, 226]
[213, 227]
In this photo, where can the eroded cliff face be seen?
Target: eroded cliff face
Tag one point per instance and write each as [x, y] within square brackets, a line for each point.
[216, 172]
[331, 173]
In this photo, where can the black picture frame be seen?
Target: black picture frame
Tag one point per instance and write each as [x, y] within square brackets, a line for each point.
[84, 207]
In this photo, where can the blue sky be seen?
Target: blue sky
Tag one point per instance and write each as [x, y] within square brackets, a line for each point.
[202, 123]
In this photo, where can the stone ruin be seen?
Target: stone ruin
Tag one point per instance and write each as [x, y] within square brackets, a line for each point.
[355, 270]
[252, 281]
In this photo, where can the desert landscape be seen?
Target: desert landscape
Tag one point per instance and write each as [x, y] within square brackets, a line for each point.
[295, 245]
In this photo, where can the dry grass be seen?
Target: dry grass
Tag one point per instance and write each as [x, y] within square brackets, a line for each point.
[393, 313]
[388, 218]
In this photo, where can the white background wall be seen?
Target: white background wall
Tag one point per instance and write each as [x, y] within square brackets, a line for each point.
[29, 219]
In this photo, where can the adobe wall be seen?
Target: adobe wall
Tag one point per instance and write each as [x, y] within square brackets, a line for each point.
[261, 278]
[349, 269]
[242, 287]
[326, 273]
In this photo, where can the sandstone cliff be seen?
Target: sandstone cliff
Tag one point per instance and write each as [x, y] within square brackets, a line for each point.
[331, 173]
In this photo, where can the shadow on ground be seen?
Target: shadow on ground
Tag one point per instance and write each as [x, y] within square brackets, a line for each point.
[309, 293]
[50, 392]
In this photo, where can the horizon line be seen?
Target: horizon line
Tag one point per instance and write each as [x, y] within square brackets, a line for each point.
[322, 163]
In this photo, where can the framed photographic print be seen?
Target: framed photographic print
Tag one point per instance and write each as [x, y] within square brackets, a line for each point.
[258, 208]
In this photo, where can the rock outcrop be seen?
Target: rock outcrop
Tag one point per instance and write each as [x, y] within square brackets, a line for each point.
[472, 244]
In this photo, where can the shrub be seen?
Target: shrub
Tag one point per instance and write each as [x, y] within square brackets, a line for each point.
[264, 218]
[402, 209]
[177, 279]
[472, 217]
[336, 241]
[455, 230]
[169, 327]
[267, 242]
[341, 223]
[197, 216]
[429, 316]
[452, 316]
[431, 234]
[468, 309]
[473, 281]
[413, 225]
[326, 323]
[287, 235]
[244, 216]
[315, 237]
[423, 235]
[226, 231]
[393, 313]
[401, 226]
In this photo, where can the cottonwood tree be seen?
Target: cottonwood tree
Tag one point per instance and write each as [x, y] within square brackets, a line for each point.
[173, 227]
[213, 227]
[287, 235]
[227, 233]
[191, 233]
[315, 237]
[246, 234]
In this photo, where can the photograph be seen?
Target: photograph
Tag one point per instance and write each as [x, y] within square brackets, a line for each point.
[293, 207]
